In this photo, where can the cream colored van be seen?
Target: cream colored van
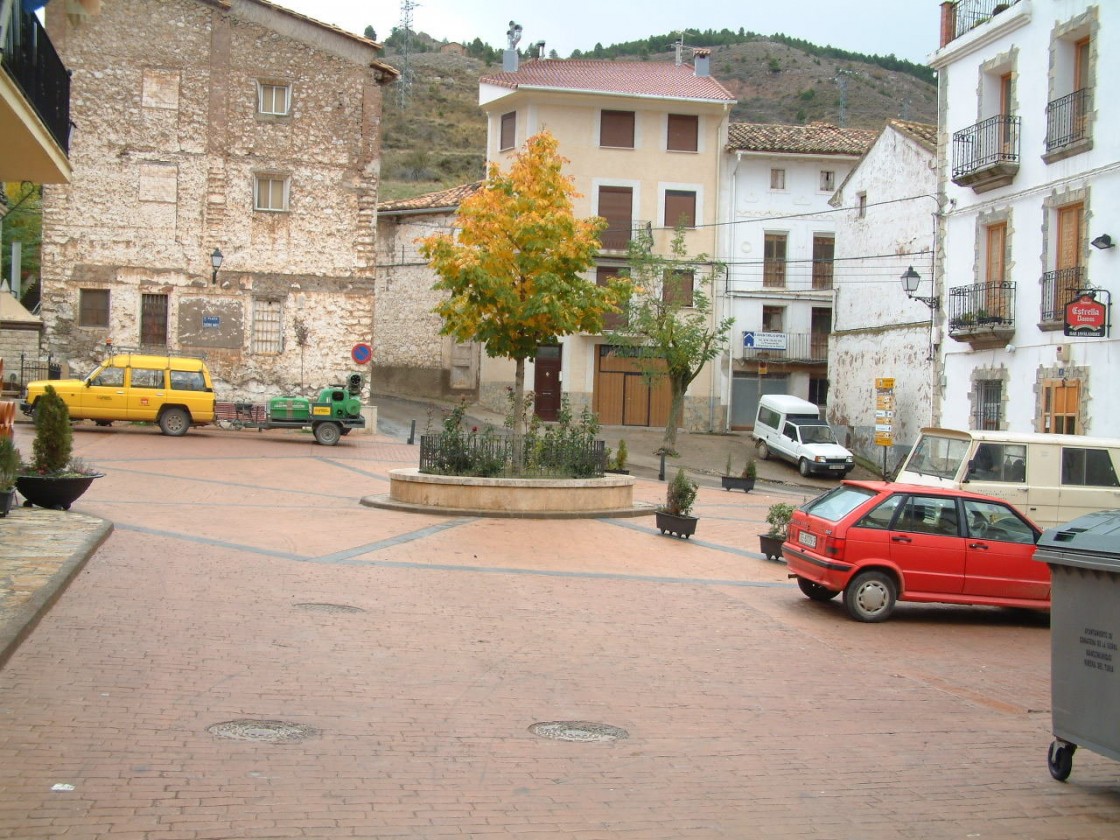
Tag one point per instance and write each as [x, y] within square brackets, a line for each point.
[1051, 478]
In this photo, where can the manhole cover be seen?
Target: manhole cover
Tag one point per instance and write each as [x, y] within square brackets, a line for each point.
[330, 608]
[578, 730]
[270, 731]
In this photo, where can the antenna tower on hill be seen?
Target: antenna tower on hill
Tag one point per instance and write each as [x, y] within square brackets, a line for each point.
[404, 84]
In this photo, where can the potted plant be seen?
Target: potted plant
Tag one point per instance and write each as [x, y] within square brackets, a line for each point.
[778, 518]
[675, 516]
[616, 463]
[9, 469]
[743, 481]
[53, 479]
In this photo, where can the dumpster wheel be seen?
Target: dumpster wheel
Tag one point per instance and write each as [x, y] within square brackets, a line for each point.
[1060, 759]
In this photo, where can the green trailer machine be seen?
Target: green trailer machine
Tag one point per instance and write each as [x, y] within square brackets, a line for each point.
[336, 411]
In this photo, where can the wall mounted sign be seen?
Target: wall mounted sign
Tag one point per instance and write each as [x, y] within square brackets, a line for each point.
[211, 321]
[361, 354]
[764, 341]
[1086, 316]
[884, 411]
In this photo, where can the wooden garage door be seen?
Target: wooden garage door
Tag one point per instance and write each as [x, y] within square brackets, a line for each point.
[622, 395]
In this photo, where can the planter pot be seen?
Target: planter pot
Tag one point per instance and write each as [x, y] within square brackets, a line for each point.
[6, 499]
[737, 482]
[771, 546]
[675, 524]
[57, 493]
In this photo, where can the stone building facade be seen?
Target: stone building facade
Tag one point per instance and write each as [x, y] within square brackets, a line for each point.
[203, 126]
[410, 357]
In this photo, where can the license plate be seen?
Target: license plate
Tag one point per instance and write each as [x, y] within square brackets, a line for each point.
[809, 540]
[836, 466]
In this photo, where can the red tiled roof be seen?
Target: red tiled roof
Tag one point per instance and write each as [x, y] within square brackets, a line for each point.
[448, 199]
[631, 78]
[816, 139]
[923, 134]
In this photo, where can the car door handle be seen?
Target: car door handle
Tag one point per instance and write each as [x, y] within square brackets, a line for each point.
[898, 538]
[983, 546]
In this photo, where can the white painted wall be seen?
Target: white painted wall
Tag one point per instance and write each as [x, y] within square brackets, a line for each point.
[878, 331]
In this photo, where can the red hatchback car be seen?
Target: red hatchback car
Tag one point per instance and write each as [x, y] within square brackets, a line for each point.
[880, 543]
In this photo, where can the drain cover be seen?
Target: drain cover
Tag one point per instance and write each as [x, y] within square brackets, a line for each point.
[330, 608]
[578, 730]
[269, 731]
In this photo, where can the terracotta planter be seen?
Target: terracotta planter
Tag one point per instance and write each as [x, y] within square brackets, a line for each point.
[675, 524]
[53, 492]
[771, 546]
[737, 482]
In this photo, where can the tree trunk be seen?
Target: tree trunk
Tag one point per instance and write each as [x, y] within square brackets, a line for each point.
[519, 396]
[676, 416]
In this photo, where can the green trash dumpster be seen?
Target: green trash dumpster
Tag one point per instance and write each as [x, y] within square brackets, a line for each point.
[1084, 560]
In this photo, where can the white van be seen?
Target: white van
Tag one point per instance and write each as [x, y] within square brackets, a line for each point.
[792, 428]
[1051, 478]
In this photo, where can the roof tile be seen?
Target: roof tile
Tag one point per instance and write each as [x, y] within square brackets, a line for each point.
[816, 138]
[442, 200]
[632, 78]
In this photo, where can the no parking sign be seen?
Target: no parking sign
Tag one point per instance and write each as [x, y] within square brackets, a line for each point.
[361, 354]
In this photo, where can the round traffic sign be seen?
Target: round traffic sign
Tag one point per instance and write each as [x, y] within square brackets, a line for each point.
[361, 354]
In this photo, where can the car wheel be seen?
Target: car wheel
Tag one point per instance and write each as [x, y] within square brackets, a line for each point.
[803, 468]
[763, 451]
[327, 433]
[871, 596]
[174, 422]
[815, 590]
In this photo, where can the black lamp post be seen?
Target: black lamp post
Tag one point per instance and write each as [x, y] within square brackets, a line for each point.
[216, 263]
[910, 280]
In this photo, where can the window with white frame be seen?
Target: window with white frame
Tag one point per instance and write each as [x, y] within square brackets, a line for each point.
[777, 179]
[270, 192]
[828, 180]
[274, 99]
[268, 336]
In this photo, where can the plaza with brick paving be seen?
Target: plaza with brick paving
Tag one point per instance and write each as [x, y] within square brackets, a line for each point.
[252, 653]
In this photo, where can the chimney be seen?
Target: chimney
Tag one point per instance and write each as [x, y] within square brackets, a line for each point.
[509, 57]
[678, 46]
[701, 60]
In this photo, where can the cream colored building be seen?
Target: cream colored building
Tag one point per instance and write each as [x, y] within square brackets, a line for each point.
[644, 142]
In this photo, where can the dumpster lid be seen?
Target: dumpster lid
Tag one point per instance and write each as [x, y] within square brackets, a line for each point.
[1091, 541]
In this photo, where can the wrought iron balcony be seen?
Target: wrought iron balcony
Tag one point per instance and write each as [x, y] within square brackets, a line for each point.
[983, 313]
[986, 155]
[966, 15]
[1059, 288]
[1067, 120]
[29, 58]
[803, 348]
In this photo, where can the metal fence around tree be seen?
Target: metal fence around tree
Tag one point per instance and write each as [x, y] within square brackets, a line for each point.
[492, 455]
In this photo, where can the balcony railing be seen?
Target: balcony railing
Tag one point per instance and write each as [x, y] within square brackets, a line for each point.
[986, 155]
[968, 14]
[799, 347]
[1059, 288]
[29, 57]
[618, 235]
[1067, 119]
[982, 309]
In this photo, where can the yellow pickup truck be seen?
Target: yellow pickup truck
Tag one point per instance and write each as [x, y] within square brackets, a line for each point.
[174, 391]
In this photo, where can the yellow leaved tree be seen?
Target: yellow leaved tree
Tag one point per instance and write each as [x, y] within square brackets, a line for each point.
[513, 273]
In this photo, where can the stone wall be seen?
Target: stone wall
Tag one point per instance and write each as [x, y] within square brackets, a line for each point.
[167, 148]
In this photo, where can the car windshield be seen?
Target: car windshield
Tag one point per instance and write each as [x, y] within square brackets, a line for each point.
[838, 502]
[817, 434]
[937, 456]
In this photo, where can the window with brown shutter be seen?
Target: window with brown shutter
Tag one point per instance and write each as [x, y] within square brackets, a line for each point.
[603, 275]
[680, 208]
[509, 131]
[824, 249]
[684, 131]
[153, 320]
[93, 307]
[677, 287]
[616, 129]
[774, 260]
[616, 206]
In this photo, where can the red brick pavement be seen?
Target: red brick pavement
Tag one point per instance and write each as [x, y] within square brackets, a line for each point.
[751, 711]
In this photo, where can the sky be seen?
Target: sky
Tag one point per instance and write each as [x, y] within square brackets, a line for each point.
[906, 28]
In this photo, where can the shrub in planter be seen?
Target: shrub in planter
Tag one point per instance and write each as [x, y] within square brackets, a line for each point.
[53, 479]
[778, 518]
[675, 516]
[744, 481]
[9, 469]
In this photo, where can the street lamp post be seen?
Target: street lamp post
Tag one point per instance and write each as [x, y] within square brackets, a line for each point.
[216, 263]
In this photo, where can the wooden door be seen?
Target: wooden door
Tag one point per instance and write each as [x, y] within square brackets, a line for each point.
[546, 381]
[1070, 225]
